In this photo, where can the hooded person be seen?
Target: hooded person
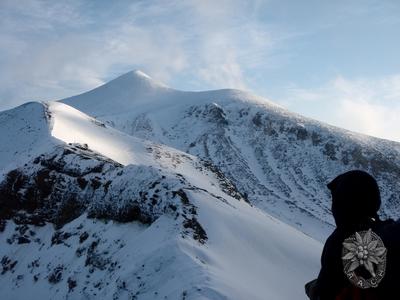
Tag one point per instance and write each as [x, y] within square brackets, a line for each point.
[360, 258]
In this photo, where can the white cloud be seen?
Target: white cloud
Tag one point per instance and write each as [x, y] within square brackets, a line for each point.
[51, 50]
[364, 105]
[34, 16]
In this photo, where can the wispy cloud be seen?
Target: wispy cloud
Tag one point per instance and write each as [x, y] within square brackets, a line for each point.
[52, 50]
[364, 105]
[33, 16]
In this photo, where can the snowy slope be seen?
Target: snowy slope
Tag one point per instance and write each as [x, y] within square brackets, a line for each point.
[247, 256]
[281, 161]
[90, 212]
[24, 133]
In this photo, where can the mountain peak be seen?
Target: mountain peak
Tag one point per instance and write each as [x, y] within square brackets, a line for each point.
[140, 73]
[137, 79]
[135, 75]
[120, 94]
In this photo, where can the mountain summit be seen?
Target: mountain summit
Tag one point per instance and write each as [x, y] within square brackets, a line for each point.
[136, 79]
[280, 160]
[120, 94]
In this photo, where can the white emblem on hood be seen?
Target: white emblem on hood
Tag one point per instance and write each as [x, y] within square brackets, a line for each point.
[364, 249]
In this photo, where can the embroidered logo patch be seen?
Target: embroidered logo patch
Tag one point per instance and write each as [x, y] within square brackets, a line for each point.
[364, 259]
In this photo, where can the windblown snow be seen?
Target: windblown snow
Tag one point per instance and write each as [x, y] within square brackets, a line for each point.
[135, 190]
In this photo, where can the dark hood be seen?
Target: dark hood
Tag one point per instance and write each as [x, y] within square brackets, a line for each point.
[355, 198]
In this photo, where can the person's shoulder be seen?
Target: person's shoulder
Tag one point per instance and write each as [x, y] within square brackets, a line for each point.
[390, 224]
[331, 238]
[337, 235]
[333, 242]
[389, 231]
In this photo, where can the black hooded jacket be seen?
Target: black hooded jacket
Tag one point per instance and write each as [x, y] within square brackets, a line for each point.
[355, 202]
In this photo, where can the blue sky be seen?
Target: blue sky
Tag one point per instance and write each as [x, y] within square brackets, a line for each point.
[335, 61]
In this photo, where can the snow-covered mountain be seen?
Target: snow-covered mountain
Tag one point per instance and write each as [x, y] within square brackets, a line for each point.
[135, 190]
[279, 160]
[90, 212]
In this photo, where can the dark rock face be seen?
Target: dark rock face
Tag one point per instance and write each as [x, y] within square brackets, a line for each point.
[199, 233]
[60, 186]
[7, 264]
[71, 284]
[211, 113]
[56, 275]
[190, 222]
[51, 189]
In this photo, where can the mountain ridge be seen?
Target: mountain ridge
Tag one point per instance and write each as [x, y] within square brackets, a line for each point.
[141, 191]
[77, 224]
[280, 159]
[136, 77]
